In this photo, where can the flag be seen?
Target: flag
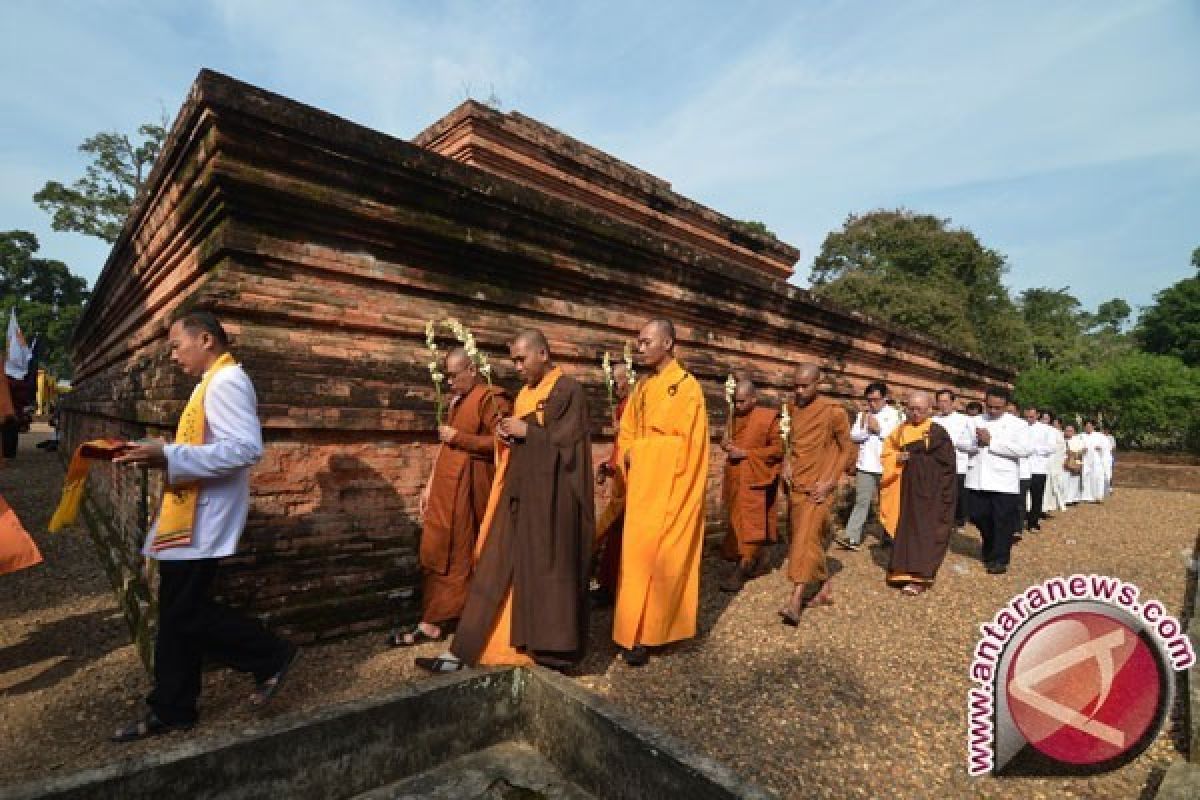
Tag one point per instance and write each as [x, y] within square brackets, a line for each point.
[16, 364]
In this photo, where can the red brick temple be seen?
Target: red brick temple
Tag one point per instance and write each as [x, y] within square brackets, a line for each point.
[325, 246]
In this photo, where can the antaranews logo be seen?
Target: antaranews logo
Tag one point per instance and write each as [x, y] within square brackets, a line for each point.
[1073, 676]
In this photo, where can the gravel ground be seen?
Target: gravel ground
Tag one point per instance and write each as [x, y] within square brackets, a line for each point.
[865, 699]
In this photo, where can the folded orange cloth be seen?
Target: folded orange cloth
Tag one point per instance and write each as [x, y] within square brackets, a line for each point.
[17, 550]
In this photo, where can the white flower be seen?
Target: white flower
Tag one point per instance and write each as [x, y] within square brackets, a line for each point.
[730, 389]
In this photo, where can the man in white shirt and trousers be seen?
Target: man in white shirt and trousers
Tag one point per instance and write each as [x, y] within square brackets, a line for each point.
[961, 429]
[191, 625]
[1095, 464]
[869, 430]
[1042, 441]
[994, 478]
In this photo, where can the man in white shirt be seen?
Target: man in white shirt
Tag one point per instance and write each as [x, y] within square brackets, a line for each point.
[1111, 451]
[191, 625]
[1042, 441]
[869, 430]
[961, 429]
[994, 478]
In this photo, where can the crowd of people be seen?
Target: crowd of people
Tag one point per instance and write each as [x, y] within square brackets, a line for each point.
[514, 553]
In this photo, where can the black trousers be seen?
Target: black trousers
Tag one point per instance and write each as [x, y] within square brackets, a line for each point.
[191, 626]
[9, 434]
[1037, 495]
[998, 517]
[960, 507]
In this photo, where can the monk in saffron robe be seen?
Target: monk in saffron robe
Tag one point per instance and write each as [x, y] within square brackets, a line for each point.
[664, 439]
[527, 600]
[919, 472]
[754, 453]
[819, 452]
[455, 499]
[611, 522]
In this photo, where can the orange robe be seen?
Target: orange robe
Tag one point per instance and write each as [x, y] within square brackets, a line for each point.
[665, 433]
[820, 450]
[917, 500]
[499, 650]
[458, 496]
[750, 485]
[611, 522]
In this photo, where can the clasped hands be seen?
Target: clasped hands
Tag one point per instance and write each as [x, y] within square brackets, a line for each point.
[511, 428]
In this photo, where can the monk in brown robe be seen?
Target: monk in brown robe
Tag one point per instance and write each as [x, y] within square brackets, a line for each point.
[754, 453]
[919, 464]
[527, 598]
[455, 498]
[820, 451]
[610, 525]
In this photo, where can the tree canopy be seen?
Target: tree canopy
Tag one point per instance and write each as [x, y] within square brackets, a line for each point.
[48, 298]
[1171, 325]
[98, 203]
[918, 271]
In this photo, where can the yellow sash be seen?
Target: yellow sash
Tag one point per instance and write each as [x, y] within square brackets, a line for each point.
[178, 511]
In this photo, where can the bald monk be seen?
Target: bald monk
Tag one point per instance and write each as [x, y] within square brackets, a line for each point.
[754, 453]
[527, 600]
[664, 441]
[611, 522]
[918, 496]
[820, 452]
[455, 498]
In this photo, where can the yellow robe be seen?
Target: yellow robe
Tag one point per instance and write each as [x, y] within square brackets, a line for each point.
[665, 432]
[499, 650]
[893, 471]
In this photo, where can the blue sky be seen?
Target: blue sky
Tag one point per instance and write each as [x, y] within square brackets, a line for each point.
[1065, 134]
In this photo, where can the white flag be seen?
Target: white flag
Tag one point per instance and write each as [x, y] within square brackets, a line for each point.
[16, 364]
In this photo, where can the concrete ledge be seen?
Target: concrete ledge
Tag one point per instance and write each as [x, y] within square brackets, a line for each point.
[365, 747]
[1182, 782]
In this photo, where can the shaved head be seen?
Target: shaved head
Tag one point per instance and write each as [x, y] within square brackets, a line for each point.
[919, 405]
[461, 371]
[745, 388]
[533, 339]
[656, 343]
[456, 358]
[745, 397]
[806, 384]
[808, 372]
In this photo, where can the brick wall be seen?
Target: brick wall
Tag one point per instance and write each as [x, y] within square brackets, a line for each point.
[325, 247]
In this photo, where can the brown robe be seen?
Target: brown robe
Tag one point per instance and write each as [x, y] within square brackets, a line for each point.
[928, 495]
[820, 449]
[458, 495]
[750, 485]
[540, 542]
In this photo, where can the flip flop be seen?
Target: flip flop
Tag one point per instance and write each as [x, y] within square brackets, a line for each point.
[148, 726]
[440, 665]
[270, 687]
[411, 637]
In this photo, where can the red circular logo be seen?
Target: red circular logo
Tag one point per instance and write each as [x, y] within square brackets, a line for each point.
[1084, 688]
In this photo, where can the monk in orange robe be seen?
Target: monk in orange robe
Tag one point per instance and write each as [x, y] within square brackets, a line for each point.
[754, 453]
[819, 452]
[610, 524]
[918, 496]
[664, 439]
[527, 601]
[455, 499]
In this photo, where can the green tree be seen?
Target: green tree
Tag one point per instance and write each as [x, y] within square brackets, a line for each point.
[914, 269]
[1171, 325]
[1110, 316]
[48, 298]
[97, 203]
[1054, 322]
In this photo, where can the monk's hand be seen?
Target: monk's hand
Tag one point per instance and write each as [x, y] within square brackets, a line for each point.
[820, 491]
[603, 473]
[446, 433]
[148, 453]
[902, 457]
[785, 474]
[983, 436]
[512, 428]
[423, 502]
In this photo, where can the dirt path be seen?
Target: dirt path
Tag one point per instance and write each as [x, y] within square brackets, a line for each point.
[865, 699]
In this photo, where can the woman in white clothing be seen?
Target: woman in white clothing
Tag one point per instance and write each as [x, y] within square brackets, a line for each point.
[1095, 464]
[1073, 466]
[1055, 496]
